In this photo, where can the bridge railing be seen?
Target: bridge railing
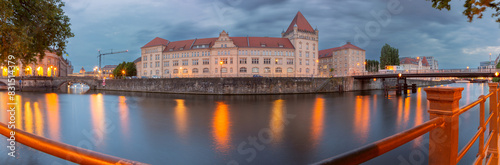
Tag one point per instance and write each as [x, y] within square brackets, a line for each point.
[443, 128]
[63, 151]
[428, 71]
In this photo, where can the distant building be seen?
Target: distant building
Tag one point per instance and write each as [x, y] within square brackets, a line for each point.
[411, 63]
[486, 65]
[51, 65]
[293, 54]
[137, 63]
[82, 71]
[345, 60]
[108, 69]
[433, 63]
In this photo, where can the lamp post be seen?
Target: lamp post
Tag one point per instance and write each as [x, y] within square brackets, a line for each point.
[274, 66]
[55, 73]
[123, 73]
[180, 70]
[221, 67]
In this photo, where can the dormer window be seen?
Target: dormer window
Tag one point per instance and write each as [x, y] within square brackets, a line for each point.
[171, 49]
[280, 45]
[181, 48]
[263, 45]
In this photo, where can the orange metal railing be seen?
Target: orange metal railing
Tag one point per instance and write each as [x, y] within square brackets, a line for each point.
[64, 151]
[444, 113]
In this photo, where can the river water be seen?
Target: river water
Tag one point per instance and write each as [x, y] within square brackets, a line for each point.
[244, 129]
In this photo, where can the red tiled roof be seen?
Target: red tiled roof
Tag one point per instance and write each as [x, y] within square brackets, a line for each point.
[425, 62]
[301, 23]
[155, 42]
[241, 42]
[408, 60]
[329, 52]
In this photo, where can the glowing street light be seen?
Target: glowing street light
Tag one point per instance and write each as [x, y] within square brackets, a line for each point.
[221, 68]
[123, 73]
[496, 74]
[399, 75]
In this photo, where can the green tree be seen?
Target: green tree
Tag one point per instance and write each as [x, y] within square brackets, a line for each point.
[28, 28]
[388, 56]
[371, 65]
[128, 67]
[496, 79]
[472, 7]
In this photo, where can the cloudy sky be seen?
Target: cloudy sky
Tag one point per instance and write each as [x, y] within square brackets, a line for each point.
[413, 26]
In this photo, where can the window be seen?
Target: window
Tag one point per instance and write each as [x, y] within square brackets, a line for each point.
[224, 60]
[278, 61]
[267, 61]
[176, 71]
[195, 62]
[278, 70]
[175, 63]
[289, 61]
[231, 60]
[185, 62]
[255, 70]
[307, 62]
[267, 70]
[145, 73]
[224, 70]
[145, 65]
[166, 63]
[151, 64]
[243, 61]
[206, 61]
[184, 70]
[166, 71]
[289, 70]
[307, 54]
[195, 70]
[243, 70]
[307, 70]
[300, 54]
[205, 70]
[255, 60]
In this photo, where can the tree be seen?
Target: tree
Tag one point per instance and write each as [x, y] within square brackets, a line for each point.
[496, 79]
[371, 65]
[472, 7]
[388, 56]
[28, 28]
[128, 67]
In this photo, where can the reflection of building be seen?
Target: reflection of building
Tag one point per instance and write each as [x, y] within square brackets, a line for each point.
[433, 63]
[410, 63]
[51, 65]
[345, 60]
[294, 54]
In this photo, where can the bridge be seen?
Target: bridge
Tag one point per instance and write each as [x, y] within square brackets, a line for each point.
[41, 83]
[430, 73]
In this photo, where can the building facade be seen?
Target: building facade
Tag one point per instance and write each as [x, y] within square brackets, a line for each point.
[51, 65]
[295, 54]
[433, 63]
[411, 63]
[342, 61]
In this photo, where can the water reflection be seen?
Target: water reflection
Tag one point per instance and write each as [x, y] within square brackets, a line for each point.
[124, 118]
[19, 114]
[38, 120]
[317, 120]
[362, 117]
[277, 123]
[97, 113]
[28, 118]
[52, 102]
[221, 128]
[181, 118]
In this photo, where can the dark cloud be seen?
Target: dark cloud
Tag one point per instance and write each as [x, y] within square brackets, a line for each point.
[418, 30]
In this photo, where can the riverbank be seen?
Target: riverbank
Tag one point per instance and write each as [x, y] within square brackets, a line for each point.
[261, 85]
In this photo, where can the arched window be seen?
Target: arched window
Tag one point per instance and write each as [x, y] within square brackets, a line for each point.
[278, 70]
[166, 71]
[289, 70]
[184, 70]
[195, 70]
[267, 70]
[145, 73]
[157, 72]
[307, 70]
[243, 70]
[176, 71]
[224, 70]
[231, 70]
[205, 70]
[255, 70]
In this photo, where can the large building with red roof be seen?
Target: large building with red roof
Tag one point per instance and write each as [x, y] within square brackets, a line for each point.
[414, 63]
[294, 54]
[342, 61]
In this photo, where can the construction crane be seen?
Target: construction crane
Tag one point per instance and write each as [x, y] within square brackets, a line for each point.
[102, 54]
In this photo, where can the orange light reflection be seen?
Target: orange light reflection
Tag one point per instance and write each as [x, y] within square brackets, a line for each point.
[277, 120]
[122, 107]
[317, 120]
[97, 113]
[361, 118]
[221, 125]
[181, 118]
[52, 102]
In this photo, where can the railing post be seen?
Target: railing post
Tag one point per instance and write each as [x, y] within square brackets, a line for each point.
[493, 146]
[443, 141]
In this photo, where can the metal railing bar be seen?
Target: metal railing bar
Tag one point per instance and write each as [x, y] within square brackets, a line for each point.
[488, 120]
[488, 162]
[488, 142]
[64, 151]
[469, 106]
[469, 144]
[380, 147]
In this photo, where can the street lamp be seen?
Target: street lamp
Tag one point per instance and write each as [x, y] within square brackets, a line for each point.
[180, 70]
[221, 68]
[123, 73]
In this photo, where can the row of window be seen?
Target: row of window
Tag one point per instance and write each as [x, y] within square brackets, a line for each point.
[224, 70]
[206, 61]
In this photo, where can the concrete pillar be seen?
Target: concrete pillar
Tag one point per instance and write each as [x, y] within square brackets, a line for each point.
[413, 88]
[405, 88]
[443, 141]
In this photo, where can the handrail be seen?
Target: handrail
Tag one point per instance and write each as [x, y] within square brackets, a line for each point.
[380, 147]
[64, 151]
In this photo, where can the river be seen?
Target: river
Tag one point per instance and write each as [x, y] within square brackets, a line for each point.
[212, 129]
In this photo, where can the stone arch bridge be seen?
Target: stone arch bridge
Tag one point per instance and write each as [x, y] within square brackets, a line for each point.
[36, 83]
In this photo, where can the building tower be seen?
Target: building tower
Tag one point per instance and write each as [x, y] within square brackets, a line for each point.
[305, 40]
